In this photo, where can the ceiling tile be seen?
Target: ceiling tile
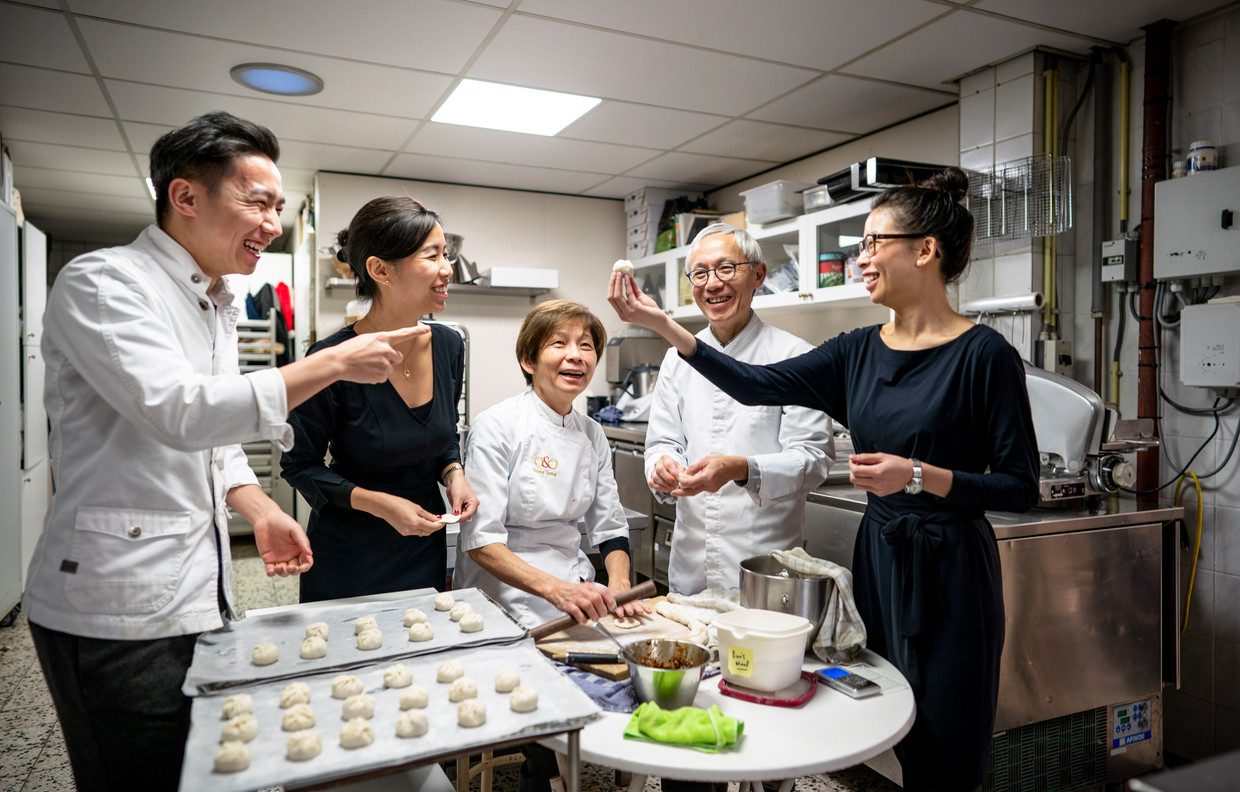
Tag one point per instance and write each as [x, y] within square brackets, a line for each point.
[764, 141]
[851, 105]
[174, 106]
[130, 186]
[1100, 19]
[437, 35]
[679, 166]
[70, 158]
[87, 224]
[954, 45]
[641, 125]
[69, 130]
[41, 89]
[39, 38]
[561, 57]
[321, 156]
[488, 174]
[450, 140]
[812, 33]
[74, 199]
[123, 52]
[621, 186]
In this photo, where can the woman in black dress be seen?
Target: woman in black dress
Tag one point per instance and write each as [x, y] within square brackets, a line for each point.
[376, 524]
[940, 419]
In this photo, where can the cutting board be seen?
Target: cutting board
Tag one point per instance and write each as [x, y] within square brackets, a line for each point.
[580, 638]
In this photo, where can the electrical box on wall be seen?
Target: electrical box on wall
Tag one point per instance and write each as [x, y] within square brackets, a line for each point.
[1197, 225]
[1210, 346]
[1119, 260]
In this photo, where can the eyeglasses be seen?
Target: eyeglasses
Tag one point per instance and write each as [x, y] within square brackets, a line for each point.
[867, 246]
[724, 272]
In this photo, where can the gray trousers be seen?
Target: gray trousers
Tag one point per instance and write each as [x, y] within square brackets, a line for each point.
[120, 706]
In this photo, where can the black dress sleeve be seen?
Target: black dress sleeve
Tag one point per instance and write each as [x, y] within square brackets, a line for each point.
[454, 349]
[1001, 399]
[304, 465]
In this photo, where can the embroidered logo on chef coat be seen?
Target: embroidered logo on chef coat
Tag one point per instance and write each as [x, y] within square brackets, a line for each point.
[546, 465]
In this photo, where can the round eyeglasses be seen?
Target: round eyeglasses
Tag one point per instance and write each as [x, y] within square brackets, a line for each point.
[867, 245]
[724, 272]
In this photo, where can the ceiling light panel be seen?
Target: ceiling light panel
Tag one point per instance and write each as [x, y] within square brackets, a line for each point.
[512, 108]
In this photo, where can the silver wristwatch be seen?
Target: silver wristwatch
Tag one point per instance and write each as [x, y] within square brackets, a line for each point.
[914, 485]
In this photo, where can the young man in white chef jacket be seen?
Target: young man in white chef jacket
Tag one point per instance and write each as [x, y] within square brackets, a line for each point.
[739, 475]
[147, 410]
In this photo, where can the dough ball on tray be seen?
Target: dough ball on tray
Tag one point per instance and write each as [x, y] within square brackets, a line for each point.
[365, 623]
[449, 670]
[232, 756]
[471, 713]
[506, 680]
[369, 639]
[416, 697]
[421, 631]
[444, 601]
[472, 623]
[415, 616]
[236, 705]
[357, 733]
[242, 728]
[412, 724]
[304, 745]
[462, 688]
[317, 630]
[298, 717]
[523, 699]
[460, 610]
[346, 685]
[295, 693]
[313, 648]
[398, 676]
[265, 654]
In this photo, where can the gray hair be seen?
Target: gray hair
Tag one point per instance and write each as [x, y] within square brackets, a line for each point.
[749, 246]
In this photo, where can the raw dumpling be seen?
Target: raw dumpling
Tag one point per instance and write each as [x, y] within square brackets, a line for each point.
[232, 757]
[236, 705]
[398, 676]
[506, 680]
[623, 266]
[317, 630]
[346, 685]
[471, 713]
[421, 631]
[244, 728]
[295, 693]
[412, 724]
[472, 623]
[265, 654]
[357, 733]
[449, 671]
[461, 689]
[523, 699]
[415, 697]
[460, 610]
[359, 706]
[298, 717]
[304, 745]
[369, 639]
[626, 623]
[313, 647]
[365, 623]
[415, 616]
[444, 601]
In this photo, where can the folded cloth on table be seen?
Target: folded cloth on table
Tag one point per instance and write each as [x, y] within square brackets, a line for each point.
[690, 727]
[842, 635]
[708, 603]
[612, 696]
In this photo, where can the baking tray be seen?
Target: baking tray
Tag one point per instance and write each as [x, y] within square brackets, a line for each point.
[222, 657]
[561, 706]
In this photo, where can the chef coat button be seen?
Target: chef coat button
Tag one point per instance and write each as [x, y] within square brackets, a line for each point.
[196, 278]
[135, 531]
[203, 305]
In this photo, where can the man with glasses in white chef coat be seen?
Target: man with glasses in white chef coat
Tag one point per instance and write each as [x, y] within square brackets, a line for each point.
[147, 410]
[739, 475]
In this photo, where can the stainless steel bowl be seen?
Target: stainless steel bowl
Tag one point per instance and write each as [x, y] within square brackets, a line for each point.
[670, 688]
[767, 585]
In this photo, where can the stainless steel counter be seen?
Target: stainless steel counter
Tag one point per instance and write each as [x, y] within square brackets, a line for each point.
[626, 432]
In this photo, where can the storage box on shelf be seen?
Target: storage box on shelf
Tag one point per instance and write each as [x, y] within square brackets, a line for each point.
[775, 200]
[804, 237]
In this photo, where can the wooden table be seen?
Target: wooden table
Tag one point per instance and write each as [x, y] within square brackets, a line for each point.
[829, 732]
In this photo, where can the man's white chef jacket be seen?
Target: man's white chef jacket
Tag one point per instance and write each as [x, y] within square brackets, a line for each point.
[537, 474]
[146, 407]
[789, 449]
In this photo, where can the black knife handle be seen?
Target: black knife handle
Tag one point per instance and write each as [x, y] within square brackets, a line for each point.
[586, 658]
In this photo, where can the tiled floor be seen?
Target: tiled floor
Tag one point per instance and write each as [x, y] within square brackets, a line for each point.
[33, 756]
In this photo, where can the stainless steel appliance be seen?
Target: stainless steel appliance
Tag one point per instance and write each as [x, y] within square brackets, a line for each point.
[650, 522]
[629, 352]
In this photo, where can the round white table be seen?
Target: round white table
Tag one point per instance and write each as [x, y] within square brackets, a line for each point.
[829, 732]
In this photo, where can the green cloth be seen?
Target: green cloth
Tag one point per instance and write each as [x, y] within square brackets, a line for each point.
[691, 727]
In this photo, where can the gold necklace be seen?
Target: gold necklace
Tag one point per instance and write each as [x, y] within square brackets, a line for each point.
[404, 360]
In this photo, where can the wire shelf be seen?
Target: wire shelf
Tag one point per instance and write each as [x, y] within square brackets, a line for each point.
[1021, 199]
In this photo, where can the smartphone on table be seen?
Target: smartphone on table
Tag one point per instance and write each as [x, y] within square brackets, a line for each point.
[847, 682]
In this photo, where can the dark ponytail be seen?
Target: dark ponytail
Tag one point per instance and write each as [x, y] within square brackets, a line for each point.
[934, 208]
[390, 229]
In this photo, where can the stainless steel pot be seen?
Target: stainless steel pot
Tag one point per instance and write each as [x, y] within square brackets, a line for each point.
[767, 585]
[640, 380]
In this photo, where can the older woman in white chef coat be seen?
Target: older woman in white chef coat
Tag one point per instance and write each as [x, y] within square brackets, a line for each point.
[539, 468]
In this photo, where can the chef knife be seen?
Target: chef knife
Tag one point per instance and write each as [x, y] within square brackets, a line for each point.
[640, 591]
[590, 658]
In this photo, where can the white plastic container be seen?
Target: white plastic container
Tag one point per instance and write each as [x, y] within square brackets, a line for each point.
[1202, 156]
[760, 649]
[777, 200]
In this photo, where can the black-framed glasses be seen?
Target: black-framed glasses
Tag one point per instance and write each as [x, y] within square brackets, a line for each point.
[867, 246]
[724, 272]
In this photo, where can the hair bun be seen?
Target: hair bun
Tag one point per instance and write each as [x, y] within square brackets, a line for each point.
[342, 239]
[950, 180]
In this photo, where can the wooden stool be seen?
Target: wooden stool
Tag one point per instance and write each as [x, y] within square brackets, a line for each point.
[485, 768]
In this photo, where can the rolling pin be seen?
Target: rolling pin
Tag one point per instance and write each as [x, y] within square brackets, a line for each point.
[640, 591]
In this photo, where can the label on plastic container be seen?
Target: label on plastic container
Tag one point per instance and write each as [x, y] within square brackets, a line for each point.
[830, 270]
[740, 661]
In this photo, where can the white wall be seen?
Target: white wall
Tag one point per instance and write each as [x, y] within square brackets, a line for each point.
[580, 237]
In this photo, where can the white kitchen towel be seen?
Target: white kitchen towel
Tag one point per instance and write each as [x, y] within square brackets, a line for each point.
[842, 635]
